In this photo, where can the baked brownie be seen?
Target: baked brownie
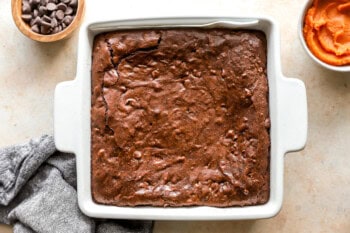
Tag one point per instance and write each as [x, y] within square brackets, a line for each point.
[180, 118]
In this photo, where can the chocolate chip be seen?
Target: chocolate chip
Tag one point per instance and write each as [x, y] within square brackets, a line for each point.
[67, 20]
[37, 21]
[32, 4]
[51, 6]
[138, 154]
[55, 30]
[53, 13]
[62, 7]
[59, 14]
[26, 17]
[46, 19]
[69, 11]
[26, 8]
[35, 28]
[73, 3]
[54, 22]
[47, 24]
[42, 10]
[45, 29]
[35, 13]
[267, 123]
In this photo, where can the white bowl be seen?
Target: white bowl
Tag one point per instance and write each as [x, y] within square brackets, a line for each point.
[287, 106]
[303, 43]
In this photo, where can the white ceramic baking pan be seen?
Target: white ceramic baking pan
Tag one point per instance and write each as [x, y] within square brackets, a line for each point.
[288, 112]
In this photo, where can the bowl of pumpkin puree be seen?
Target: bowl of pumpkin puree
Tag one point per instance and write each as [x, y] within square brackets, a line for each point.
[324, 30]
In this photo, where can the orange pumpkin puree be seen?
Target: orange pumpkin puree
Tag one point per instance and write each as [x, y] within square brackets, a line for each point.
[327, 31]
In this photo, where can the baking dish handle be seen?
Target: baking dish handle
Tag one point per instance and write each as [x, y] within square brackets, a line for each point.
[293, 109]
[65, 116]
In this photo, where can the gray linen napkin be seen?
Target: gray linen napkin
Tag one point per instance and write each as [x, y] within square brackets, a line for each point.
[38, 193]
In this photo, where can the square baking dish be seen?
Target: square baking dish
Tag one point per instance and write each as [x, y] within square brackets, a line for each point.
[287, 108]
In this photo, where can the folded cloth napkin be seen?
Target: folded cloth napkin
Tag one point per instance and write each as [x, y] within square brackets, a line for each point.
[38, 193]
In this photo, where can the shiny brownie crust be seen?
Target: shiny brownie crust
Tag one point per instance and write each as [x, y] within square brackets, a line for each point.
[180, 117]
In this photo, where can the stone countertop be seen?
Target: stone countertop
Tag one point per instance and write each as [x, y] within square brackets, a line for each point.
[316, 180]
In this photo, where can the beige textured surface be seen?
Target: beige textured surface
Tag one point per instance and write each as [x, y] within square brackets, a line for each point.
[317, 180]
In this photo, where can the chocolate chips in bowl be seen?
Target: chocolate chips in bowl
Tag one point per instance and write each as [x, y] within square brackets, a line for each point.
[49, 16]
[47, 20]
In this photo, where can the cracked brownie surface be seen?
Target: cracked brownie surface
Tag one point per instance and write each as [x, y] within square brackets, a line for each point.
[180, 118]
